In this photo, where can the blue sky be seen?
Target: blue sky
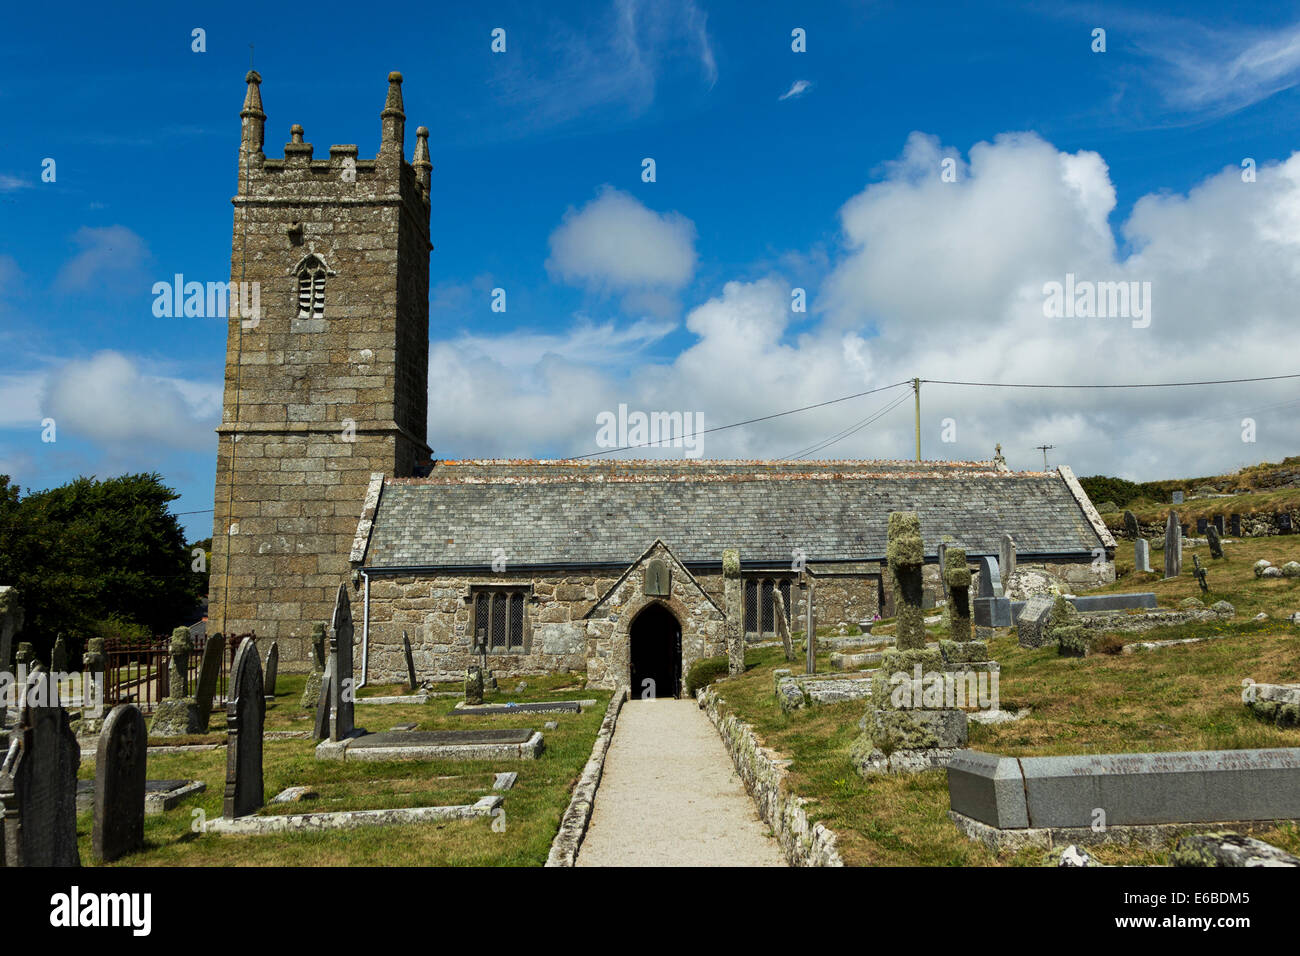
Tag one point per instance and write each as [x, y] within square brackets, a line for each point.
[774, 170]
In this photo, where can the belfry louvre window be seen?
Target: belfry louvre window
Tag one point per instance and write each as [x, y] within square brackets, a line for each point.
[760, 606]
[499, 621]
[311, 289]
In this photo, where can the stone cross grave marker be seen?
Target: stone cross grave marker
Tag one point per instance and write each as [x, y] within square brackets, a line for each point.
[38, 782]
[1006, 558]
[1199, 572]
[341, 683]
[733, 603]
[1142, 555]
[906, 558]
[474, 685]
[990, 578]
[956, 575]
[118, 827]
[245, 719]
[178, 713]
[94, 662]
[209, 672]
[1173, 546]
[272, 670]
[410, 663]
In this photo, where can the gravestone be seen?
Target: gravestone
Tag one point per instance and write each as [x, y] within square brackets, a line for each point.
[1201, 525]
[1284, 522]
[321, 728]
[473, 684]
[1173, 546]
[1006, 558]
[11, 622]
[245, 719]
[341, 683]
[1234, 522]
[118, 827]
[956, 576]
[59, 656]
[1142, 555]
[943, 563]
[906, 560]
[1178, 497]
[311, 692]
[25, 656]
[209, 673]
[1199, 572]
[1131, 524]
[38, 782]
[1031, 625]
[733, 604]
[1219, 525]
[1216, 543]
[782, 627]
[990, 578]
[809, 588]
[177, 714]
[410, 663]
[272, 670]
[1186, 530]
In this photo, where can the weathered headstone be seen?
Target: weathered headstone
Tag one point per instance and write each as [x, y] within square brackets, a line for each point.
[1178, 497]
[118, 827]
[311, 692]
[321, 728]
[956, 576]
[245, 719]
[1141, 555]
[1219, 526]
[1284, 522]
[782, 627]
[38, 782]
[1199, 572]
[1173, 546]
[990, 578]
[1006, 558]
[733, 593]
[11, 622]
[341, 682]
[410, 663]
[1216, 543]
[473, 684]
[809, 622]
[1234, 522]
[94, 662]
[59, 656]
[209, 674]
[178, 713]
[1201, 525]
[272, 670]
[1131, 524]
[1031, 626]
[943, 563]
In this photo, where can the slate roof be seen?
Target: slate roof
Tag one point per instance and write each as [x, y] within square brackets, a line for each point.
[606, 513]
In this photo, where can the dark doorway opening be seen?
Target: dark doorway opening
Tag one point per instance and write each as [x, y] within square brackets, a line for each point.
[656, 650]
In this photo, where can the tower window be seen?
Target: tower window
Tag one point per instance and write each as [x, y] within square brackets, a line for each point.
[311, 289]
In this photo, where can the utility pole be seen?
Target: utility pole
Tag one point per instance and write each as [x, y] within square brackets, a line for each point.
[1044, 449]
[916, 387]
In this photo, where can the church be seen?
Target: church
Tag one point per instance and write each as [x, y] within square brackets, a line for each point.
[613, 569]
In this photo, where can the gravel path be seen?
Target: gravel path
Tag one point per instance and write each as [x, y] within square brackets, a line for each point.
[669, 796]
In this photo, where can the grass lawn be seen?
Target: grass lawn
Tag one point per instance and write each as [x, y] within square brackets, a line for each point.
[532, 807]
[1176, 698]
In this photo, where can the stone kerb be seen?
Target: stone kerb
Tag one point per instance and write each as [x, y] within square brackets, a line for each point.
[573, 825]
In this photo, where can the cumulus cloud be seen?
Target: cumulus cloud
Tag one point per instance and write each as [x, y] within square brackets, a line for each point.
[108, 256]
[615, 243]
[108, 399]
[945, 280]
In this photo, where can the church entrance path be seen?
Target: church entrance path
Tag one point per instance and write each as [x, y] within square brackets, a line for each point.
[669, 796]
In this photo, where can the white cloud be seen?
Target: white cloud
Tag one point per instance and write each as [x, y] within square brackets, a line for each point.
[614, 242]
[109, 400]
[10, 184]
[945, 281]
[798, 88]
[109, 255]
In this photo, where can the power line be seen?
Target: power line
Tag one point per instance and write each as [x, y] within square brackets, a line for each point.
[847, 432]
[1222, 381]
[750, 421]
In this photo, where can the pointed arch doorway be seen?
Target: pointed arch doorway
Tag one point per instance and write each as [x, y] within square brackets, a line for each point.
[655, 649]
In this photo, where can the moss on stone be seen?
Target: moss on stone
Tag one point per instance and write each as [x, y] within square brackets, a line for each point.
[905, 548]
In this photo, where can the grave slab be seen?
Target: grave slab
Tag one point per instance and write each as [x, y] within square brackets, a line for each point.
[436, 745]
[533, 707]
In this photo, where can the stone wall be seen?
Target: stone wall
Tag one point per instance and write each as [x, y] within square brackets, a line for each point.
[313, 406]
[1254, 524]
[765, 777]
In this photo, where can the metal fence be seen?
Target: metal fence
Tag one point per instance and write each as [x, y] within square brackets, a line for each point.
[138, 672]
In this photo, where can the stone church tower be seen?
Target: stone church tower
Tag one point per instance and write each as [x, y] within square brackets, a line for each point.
[327, 382]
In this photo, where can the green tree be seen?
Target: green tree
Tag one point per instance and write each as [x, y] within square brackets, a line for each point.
[91, 552]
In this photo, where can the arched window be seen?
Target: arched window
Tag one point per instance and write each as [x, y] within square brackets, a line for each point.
[311, 288]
